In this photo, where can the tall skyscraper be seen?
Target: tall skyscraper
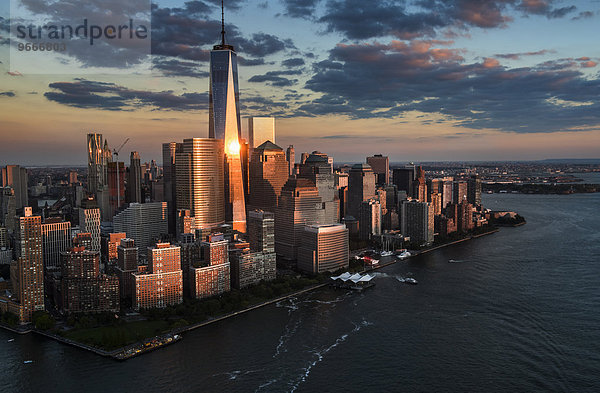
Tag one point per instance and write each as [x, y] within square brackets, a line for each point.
[30, 265]
[361, 187]
[260, 130]
[290, 156]
[8, 209]
[89, 222]
[134, 181]
[96, 179]
[268, 174]
[404, 177]
[474, 190]
[324, 248]
[56, 238]
[127, 264]
[169, 173]
[116, 186]
[317, 168]
[417, 221]
[460, 191]
[299, 205]
[200, 181]
[16, 177]
[381, 167]
[420, 186]
[369, 219]
[224, 124]
[143, 222]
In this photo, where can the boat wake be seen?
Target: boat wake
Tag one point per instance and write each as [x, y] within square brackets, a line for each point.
[320, 354]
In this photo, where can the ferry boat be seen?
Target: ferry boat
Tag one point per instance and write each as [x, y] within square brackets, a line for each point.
[370, 261]
[404, 254]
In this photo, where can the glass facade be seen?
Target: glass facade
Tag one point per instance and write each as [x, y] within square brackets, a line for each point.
[219, 78]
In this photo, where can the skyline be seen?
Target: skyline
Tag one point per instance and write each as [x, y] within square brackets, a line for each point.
[492, 99]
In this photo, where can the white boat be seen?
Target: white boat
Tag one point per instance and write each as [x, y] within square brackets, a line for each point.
[410, 280]
[386, 253]
[11, 340]
[28, 361]
[358, 257]
[404, 254]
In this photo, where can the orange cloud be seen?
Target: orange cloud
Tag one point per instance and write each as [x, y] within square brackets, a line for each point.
[490, 62]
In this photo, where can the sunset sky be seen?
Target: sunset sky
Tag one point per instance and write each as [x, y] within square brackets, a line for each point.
[417, 80]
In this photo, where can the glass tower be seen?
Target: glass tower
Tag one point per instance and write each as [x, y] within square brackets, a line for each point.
[224, 124]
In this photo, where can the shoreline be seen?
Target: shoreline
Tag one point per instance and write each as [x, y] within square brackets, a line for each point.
[119, 353]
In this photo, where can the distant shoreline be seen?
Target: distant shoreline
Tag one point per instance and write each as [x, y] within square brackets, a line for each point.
[117, 354]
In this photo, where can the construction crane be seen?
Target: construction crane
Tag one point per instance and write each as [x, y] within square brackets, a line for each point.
[116, 154]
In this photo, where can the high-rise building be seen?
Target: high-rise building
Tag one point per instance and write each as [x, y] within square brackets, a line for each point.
[109, 246]
[127, 264]
[268, 173]
[224, 124]
[73, 178]
[200, 180]
[134, 181]
[420, 186]
[162, 284]
[261, 231]
[290, 156]
[16, 177]
[89, 222]
[303, 157]
[30, 265]
[145, 223]
[4, 240]
[84, 289]
[381, 167]
[369, 219]
[8, 209]
[299, 205]
[474, 190]
[361, 187]
[56, 238]
[116, 186]
[324, 248]
[459, 191]
[446, 191]
[96, 179]
[317, 169]
[417, 221]
[260, 130]
[404, 177]
[211, 274]
[169, 176]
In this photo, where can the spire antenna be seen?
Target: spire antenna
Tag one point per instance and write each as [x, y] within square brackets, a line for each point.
[222, 24]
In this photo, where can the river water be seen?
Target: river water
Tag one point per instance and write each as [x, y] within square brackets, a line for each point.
[515, 311]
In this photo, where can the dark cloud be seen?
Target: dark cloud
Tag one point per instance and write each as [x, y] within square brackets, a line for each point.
[300, 8]
[108, 96]
[250, 62]
[517, 56]
[274, 78]
[359, 19]
[174, 67]
[178, 32]
[583, 15]
[385, 81]
[293, 62]
[7, 94]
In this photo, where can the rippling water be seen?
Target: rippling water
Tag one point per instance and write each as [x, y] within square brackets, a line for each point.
[514, 311]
